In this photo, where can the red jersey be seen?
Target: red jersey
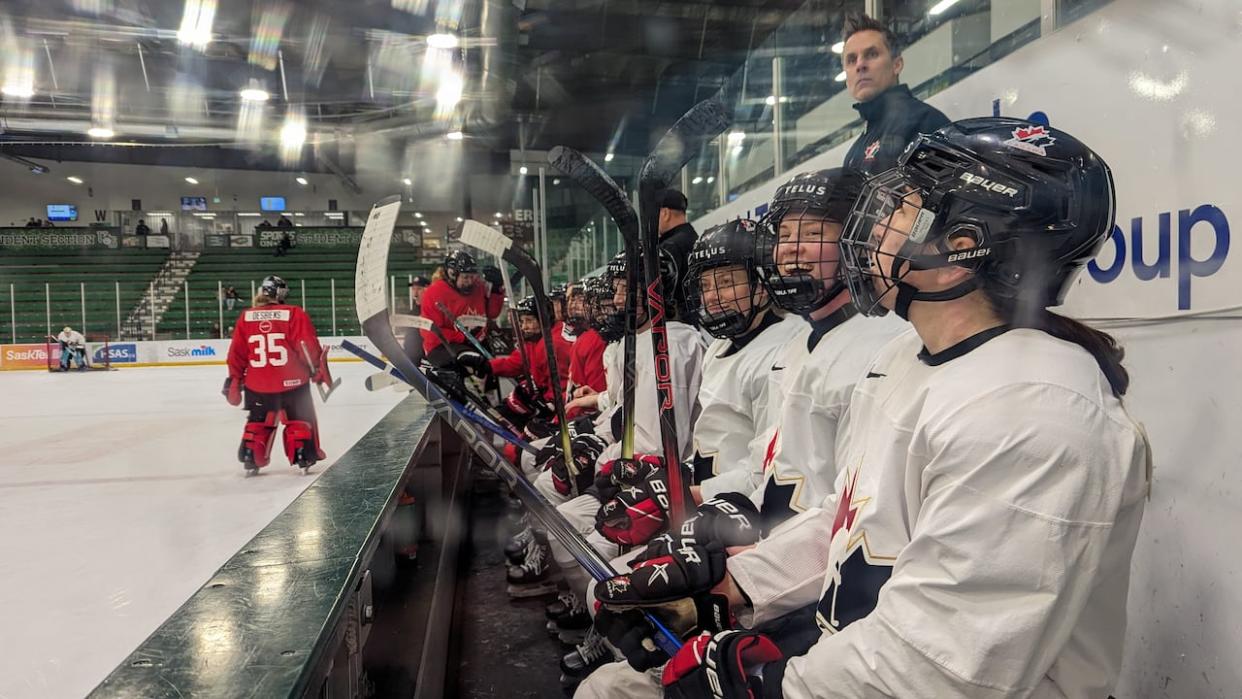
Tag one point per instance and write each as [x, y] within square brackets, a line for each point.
[267, 348]
[459, 304]
[586, 363]
[563, 345]
[495, 303]
[511, 366]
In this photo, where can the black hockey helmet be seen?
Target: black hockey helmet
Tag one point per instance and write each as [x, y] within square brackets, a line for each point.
[577, 314]
[274, 288]
[805, 205]
[558, 292]
[459, 262]
[601, 308]
[731, 309]
[528, 306]
[1036, 201]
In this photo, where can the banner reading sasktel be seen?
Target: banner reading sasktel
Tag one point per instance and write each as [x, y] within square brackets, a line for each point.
[1156, 111]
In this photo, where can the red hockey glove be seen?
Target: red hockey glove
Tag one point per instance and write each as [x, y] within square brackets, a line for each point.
[728, 665]
[639, 509]
[232, 391]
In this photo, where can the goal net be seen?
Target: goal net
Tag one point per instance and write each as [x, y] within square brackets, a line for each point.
[97, 355]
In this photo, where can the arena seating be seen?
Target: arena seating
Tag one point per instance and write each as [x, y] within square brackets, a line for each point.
[62, 271]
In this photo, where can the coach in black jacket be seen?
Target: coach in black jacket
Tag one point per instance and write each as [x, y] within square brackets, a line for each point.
[873, 63]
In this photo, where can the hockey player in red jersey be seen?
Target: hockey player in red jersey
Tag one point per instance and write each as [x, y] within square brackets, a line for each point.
[586, 358]
[456, 288]
[275, 356]
[564, 333]
[532, 392]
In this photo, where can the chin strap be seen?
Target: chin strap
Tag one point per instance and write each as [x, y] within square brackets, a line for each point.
[907, 294]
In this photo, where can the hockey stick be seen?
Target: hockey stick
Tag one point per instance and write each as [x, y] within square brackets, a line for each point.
[461, 328]
[390, 372]
[704, 121]
[423, 323]
[372, 307]
[323, 357]
[598, 184]
[511, 306]
[493, 241]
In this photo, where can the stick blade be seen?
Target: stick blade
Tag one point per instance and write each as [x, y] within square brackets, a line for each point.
[408, 321]
[705, 121]
[587, 174]
[485, 238]
[371, 273]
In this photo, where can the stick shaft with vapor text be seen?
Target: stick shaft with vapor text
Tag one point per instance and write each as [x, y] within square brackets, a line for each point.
[372, 307]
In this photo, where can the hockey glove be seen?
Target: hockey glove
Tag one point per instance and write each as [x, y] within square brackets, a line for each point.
[492, 276]
[729, 665]
[476, 363]
[587, 449]
[639, 509]
[631, 633]
[232, 391]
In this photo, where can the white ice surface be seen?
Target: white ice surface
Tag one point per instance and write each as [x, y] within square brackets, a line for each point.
[120, 495]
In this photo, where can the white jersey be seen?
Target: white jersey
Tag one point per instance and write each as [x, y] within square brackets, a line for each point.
[979, 541]
[685, 352]
[72, 338]
[800, 466]
[735, 411]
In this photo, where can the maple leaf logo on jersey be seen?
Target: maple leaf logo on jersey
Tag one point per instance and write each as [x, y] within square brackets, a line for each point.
[869, 153]
[1032, 139]
[770, 454]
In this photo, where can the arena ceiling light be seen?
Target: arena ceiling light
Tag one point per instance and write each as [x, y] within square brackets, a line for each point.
[196, 21]
[459, 219]
[838, 47]
[454, 135]
[556, 182]
[698, 179]
[442, 41]
[522, 170]
[75, 180]
[840, 77]
[100, 132]
[418, 214]
[941, 6]
[19, 90]
[254, 94]
[293, 132]
[449, 92]
[301, 180]
[191, 180]
[609, 156]
[407, 181]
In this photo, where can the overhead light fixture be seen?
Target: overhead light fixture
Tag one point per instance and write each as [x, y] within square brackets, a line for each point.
[407, 181]
[556, 181]
[459, 219]
[196, 23]
[442, 41]
[254, 94]
[522, 170]
[454, 135]
[249, 214]
[100, 132]
[736, 138]
[941, 7]
[301, 180]
[697, 180]
[21, 90]
[838, 47]
[449, 92]
[75, 180]
[293, 133]
[498, 214]
[418, 214]
[711, 179]
[840, 77]
[608, 157]
[191, 180]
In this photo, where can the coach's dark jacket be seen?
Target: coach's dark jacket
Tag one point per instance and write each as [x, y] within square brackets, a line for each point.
[893, 119]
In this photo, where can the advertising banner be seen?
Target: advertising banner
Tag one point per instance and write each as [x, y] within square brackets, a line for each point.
[59, 238]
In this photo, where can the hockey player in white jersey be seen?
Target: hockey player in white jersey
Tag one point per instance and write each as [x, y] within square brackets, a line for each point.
[797, 258]
[992, 484]
[724, 293]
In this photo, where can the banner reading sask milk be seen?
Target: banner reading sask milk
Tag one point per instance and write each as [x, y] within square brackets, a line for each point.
[144, 354]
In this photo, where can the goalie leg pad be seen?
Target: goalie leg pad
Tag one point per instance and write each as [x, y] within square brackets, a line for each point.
[257, 442]
[301, 443]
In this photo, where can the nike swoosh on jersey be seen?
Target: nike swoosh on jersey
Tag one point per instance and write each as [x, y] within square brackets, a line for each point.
[873, 375]
[777, 368]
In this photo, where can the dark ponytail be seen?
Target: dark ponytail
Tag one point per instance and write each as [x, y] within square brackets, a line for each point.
[1107, 352]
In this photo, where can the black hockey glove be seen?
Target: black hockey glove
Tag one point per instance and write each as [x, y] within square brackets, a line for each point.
[476, 363]
[728, 665]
